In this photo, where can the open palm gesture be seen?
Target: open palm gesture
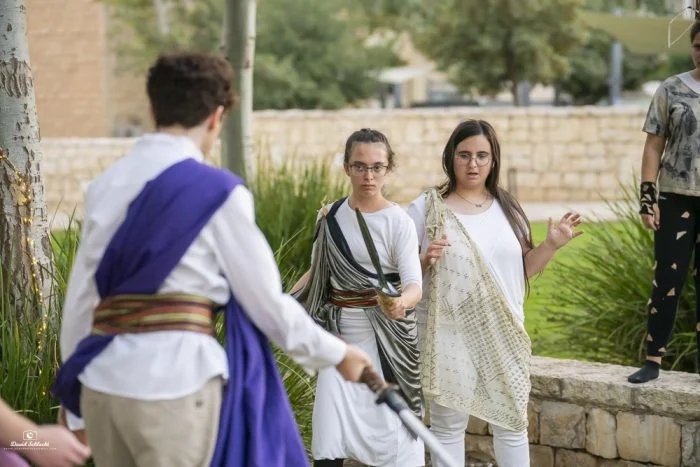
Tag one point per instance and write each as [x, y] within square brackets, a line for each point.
[560, 234]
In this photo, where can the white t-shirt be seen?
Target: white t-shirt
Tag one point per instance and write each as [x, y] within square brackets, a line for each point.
[498, 246]
[394, 237]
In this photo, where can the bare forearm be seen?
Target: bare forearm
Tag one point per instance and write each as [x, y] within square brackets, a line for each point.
[411, 295]
[538, 258]
[424, 263]
[651, 158]
[301, 282]
[12, 425]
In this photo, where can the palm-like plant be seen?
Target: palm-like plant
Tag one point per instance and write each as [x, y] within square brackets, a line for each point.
[601, 310]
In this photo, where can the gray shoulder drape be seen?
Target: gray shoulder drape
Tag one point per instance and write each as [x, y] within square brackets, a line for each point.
[397, 340]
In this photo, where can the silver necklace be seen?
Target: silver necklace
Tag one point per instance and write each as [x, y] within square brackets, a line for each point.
[478, 205]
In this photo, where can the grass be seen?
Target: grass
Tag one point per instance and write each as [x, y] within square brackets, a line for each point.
[545, 287]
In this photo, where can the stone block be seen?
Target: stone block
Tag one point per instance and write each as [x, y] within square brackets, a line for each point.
[576, 163]
[477, 426]
[563, 134]
[542, 161]
[558, 194]
[519, 136]
[609, 135]
[621, 463]
[566, 458]
[562, 425]
[600, 433]
[572, 180]
[677, 396]
[528, 179]
[537, 123]
[551, 180]
[690, 444]
[588, 131]
[649, 438]
[480, 447]
[607, 180]
[533, 422]
[588, 180]
[526, 194]
[541, 456]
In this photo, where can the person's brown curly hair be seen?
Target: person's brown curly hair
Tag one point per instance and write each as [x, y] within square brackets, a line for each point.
[184, 88]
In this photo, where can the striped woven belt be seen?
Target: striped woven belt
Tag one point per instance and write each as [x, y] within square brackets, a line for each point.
[354, 298]
[133, 314]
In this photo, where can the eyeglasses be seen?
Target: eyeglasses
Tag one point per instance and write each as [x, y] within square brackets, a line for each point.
[359, 169]
[481, 159]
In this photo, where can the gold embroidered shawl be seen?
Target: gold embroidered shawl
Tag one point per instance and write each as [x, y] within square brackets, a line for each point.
[475, 356]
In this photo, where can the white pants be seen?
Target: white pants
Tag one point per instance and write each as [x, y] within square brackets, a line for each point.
[449, 426]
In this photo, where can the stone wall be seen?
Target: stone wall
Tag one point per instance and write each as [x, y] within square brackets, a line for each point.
[587, 415]
[548, 154]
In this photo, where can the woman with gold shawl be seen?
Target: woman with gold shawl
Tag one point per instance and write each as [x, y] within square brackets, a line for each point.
[477, 254]
[338, 292]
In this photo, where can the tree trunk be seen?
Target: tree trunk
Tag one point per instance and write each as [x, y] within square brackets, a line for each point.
[515, 91]
[161, 9]
[510, 71]
[240, 48]
[25, 249]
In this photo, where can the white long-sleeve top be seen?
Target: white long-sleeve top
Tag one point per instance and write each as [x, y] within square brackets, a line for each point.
[230, 254]
[498, 245]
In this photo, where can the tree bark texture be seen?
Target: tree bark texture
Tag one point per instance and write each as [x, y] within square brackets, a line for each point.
[25, 249]
[239, 29]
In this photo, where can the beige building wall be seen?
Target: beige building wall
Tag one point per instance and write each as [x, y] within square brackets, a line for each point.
[67, 46]
[80, 89]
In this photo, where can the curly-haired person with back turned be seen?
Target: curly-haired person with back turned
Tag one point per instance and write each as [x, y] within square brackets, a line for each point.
[167, 243]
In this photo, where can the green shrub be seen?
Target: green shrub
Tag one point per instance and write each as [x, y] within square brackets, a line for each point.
[30, 352]
[599, 311]
[287, 200]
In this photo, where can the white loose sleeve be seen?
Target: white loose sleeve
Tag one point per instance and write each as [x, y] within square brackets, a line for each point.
[81, 300]
[405, 245]
[416, 211]
[248, 263]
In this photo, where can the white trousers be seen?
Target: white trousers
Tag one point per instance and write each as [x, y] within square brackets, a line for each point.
[449, 426]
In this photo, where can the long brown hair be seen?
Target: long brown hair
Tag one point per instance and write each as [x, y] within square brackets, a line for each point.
[511, 208]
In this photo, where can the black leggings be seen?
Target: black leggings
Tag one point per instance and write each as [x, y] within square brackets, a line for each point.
[678, 235]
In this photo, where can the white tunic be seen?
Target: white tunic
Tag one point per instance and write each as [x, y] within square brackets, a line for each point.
[347, 423]
[229, 254]
[497, 244]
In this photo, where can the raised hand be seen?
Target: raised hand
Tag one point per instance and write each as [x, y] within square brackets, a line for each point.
[560, 234]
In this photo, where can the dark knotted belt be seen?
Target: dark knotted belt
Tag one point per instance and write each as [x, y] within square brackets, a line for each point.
[135, 314]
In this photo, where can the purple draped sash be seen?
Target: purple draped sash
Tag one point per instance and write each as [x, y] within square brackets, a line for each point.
[257, 426]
